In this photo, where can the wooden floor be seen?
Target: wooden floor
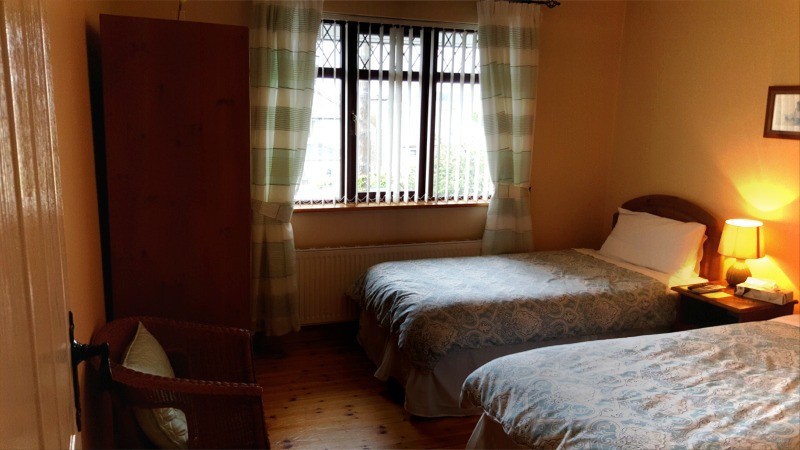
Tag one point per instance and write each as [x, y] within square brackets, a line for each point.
[321, 394]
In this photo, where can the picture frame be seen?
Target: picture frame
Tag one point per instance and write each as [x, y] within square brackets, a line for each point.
[783, 112]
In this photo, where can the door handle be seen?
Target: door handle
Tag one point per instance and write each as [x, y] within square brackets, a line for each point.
[79, 353]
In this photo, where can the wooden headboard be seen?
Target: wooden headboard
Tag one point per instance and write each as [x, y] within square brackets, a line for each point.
[679, 209]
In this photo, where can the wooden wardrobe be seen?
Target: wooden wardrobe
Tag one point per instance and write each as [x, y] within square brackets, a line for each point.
[175, 99]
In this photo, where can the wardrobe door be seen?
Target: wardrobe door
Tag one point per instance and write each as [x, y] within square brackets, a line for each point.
[175, 98]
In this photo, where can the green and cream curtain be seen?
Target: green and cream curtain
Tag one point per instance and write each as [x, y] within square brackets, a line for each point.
[508, 43]
[283, 40]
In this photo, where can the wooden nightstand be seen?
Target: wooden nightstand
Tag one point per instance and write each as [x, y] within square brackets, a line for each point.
[698, 310]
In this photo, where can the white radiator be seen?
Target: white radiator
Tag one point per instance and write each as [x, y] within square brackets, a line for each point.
[325, 274]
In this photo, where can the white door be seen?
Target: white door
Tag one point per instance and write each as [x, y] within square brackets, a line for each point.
[36, 407]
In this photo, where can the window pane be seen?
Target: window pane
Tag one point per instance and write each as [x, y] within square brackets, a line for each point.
[382, 166]
[322, 170]
[459, 161]
[388, 111]
[329, 45]
[458, 50]
[373, 50]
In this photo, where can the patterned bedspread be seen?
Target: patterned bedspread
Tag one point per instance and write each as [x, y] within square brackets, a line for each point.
[734, 386]
[435, 305]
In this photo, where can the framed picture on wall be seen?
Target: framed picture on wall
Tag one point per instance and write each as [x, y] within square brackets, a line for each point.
[783, 112]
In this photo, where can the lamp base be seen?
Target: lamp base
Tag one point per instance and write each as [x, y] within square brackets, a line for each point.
[737, 273]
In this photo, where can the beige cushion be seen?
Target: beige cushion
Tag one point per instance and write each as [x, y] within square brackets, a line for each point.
[166, 427]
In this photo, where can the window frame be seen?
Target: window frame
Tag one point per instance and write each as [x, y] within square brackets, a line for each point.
[340, 74]
[429, 77]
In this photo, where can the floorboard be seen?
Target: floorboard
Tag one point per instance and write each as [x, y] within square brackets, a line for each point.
[319, 392]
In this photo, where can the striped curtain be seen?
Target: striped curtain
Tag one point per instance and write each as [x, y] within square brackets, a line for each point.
[283, 41]
[508, 43]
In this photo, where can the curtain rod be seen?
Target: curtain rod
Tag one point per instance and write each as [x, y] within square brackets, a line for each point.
[424, 22]
[548, 3]
[396, 21]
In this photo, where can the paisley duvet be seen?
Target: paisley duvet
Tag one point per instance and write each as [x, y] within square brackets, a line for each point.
[733, 386]
[436, 305]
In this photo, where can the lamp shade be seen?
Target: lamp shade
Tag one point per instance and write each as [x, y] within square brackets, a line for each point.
[742, 239]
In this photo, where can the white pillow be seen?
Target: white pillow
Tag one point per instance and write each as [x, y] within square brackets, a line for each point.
[669, 246]
[691, 268]
[166, 427]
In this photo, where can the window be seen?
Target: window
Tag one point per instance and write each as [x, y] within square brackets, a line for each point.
[396, 116]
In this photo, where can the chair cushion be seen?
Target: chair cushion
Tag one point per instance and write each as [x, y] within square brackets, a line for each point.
[165, 427]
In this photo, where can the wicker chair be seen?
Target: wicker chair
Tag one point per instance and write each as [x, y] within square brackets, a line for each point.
[214, 385]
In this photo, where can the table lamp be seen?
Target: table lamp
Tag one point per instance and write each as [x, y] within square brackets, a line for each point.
[741, 239]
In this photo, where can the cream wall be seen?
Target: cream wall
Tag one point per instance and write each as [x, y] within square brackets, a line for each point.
[690, 120]
[734, 50]
[579, 69]
[361, 227]
[577, 86]
[76, 155]
[633, 99]
[650, 97]
[67, 25]
[337, 228]
[84, 283]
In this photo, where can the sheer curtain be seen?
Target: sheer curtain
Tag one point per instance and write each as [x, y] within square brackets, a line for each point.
[283, 41]
[508, 43]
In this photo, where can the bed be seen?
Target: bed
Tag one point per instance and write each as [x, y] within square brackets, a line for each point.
[731, 386]
[429, 323]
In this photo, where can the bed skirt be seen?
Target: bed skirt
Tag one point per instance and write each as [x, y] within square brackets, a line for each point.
[437, 393]
[488, 433]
